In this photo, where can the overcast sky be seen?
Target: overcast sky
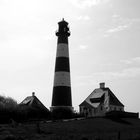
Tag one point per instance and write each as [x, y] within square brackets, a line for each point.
[104, 47]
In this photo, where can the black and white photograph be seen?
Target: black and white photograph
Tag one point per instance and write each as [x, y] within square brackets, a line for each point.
[69, 69]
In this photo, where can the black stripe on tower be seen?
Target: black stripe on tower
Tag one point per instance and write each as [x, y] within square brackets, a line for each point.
[62, 39]
[62, 64]
[61, 96]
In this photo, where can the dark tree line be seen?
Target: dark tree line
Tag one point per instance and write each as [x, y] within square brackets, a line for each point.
[11, 110]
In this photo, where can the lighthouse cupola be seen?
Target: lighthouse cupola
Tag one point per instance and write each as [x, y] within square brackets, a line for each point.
[63, 32]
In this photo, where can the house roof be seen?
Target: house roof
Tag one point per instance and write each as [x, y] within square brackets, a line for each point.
[84, 103]
[33, 101]
[113, 99]
[97, 97]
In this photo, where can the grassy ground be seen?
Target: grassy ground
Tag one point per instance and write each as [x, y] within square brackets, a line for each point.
[90, 129]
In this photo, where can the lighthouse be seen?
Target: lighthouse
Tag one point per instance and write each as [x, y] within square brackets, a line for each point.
[61, 98]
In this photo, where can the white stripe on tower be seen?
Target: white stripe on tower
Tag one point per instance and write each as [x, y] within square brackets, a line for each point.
[62, 50]
[62, 79]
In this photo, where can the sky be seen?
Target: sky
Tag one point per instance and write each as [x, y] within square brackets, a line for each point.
[104, 46]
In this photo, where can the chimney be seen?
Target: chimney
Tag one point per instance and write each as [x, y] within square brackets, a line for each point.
[33, 93]
[102, 85]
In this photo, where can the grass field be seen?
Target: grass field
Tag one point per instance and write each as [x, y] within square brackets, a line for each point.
[85, 129]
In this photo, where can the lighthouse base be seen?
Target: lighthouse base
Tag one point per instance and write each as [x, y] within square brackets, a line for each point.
[61, 112]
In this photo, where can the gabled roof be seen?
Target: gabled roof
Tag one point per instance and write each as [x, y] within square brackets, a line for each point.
[97, 97]
[97, 100]
[84, 103]
[33, 101]
[113, 99]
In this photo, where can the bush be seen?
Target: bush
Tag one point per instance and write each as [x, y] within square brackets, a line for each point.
[7, 103]
[10, 110]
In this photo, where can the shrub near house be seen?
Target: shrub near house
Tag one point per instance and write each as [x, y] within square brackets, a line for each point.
[8, 109]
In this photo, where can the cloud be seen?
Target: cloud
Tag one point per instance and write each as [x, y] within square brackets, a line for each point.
[130, 70]
[116, 16]
[107, 76]
[87, 3]
[119, 23]
[132, 61]
[80, 48]
[83, 47]
[117, 29]
[84, 18]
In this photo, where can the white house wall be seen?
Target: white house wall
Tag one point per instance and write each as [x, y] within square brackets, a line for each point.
[106, 101]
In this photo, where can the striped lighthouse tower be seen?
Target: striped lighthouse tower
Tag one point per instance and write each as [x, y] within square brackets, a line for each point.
[61, 99]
